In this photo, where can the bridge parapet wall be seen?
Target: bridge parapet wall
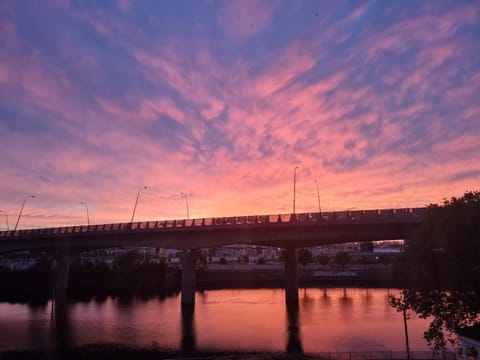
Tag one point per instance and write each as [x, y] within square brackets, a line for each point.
[414, 215]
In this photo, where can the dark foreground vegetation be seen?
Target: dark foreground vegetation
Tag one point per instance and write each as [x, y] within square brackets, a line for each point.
[121, 352]
[441, 268]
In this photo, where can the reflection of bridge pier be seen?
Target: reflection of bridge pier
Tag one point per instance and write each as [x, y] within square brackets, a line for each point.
[294, 343]
[60, 324]
[188, 344]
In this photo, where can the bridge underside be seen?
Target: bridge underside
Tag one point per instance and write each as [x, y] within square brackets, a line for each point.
[297, 237]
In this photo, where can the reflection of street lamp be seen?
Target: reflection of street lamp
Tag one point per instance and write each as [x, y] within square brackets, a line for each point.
[318, 196]
[294, 186]
[6, 217]
[186, 203]
[21, 209]
[136, 201]
[88, 215]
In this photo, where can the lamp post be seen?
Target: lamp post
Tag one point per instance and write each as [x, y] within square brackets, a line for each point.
[186, 203]
[136, 201]
[405, 326]
[318, 196]
[6, 218]
[21, 209]
[88, 215]
[294, 186]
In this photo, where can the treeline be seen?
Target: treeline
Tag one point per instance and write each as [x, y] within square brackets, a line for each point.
[128, 275]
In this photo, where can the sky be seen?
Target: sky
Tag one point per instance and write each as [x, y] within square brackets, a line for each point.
[379, 102]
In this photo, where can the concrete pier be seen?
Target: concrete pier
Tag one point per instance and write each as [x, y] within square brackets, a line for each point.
[189, 281]
[63, 260]
[291, 280]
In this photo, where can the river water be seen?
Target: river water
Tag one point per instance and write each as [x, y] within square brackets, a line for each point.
[334, 319]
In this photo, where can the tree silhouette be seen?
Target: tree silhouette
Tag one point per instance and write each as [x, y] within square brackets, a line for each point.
[442, 264]
[342, 258]
[304, 256]
[323, 259]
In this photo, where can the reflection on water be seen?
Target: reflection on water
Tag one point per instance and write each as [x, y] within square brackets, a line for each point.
[188, 329]
[244, 320]
[294, 343]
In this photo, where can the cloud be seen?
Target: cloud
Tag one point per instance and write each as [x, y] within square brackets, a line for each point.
[242, 19]
[381, 113]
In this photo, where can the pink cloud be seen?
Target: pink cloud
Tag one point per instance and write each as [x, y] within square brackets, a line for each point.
[425, 29]
[287, 66]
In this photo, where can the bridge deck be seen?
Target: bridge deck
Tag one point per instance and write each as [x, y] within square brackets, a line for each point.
[384, 216]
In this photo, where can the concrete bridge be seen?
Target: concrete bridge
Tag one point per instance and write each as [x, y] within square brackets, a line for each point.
[287, 231]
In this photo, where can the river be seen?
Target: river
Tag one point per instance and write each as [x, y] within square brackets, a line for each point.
[334, 320]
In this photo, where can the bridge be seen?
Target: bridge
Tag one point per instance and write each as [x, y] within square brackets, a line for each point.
[287, 231]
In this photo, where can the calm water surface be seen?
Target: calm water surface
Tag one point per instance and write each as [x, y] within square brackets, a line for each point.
[249, 320]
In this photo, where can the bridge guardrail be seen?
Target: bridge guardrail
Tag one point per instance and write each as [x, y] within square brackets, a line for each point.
[337, 217]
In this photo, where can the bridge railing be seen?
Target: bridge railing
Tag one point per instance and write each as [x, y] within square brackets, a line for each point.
[337, 217]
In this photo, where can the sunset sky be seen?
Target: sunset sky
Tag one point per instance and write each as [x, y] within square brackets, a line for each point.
[377, 101]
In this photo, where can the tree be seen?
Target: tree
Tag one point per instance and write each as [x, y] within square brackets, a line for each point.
[202, 262]
[323, 259]
[342, 258]
[446, 252]
[442, 262]
[304, 256]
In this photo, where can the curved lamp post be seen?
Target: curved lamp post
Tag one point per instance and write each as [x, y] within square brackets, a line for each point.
[136, 201]
[88, 215]
[21, 209]
[318, 196]
[186, 203]
[294, 186]
[6, 218]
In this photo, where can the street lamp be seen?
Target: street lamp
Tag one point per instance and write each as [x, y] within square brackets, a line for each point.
[88, 215]
[136, 201]
[21, 209]
[186, 203]
[294, 186]
[318, 196]
[6, 217]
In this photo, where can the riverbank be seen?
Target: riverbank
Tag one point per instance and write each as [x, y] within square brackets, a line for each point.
[121, 352]
[162, 281]
[239, 277]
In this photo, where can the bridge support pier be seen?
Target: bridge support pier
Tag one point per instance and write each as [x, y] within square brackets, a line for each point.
[189, 281]
[63, 260]
[291, 280]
